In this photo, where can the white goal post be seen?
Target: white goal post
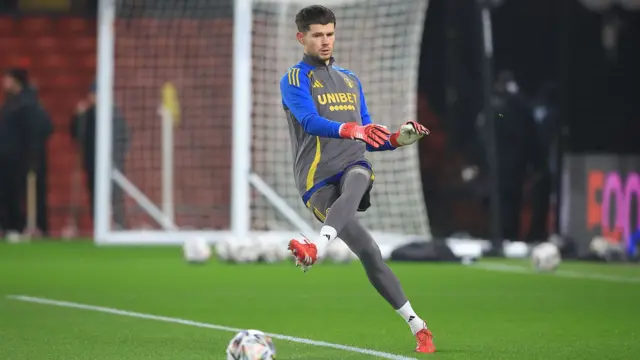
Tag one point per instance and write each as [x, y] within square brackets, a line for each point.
[206, 151]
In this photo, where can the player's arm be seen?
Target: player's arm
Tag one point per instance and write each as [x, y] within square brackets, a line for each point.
[409, 132]
[297, 97]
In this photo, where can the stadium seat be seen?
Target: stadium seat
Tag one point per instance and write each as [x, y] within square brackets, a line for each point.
[52, 62]
[71, 25]
[10, 44]
[7, 26]
[34, 26]
[44, 44]
[82, 44]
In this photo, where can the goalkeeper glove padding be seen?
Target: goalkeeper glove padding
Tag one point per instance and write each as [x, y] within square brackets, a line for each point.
[372, 134]
[409, 132]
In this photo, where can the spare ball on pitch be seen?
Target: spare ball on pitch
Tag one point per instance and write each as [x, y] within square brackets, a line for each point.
[251, 345]
[545, 257]
[196, 250]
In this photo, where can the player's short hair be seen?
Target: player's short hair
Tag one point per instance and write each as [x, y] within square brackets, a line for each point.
[314, 14]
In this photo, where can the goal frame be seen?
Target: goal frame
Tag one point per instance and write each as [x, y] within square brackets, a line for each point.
[242, 177]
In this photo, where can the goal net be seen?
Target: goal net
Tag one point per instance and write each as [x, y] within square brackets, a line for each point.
[199, 143]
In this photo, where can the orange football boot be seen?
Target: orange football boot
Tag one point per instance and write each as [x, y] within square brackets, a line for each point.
[424, 339]
[305, 253]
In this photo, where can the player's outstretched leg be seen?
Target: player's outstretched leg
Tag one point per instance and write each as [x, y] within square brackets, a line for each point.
[386, 283]
[344, 204]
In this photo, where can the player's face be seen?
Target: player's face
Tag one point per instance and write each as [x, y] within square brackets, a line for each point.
[318, 41]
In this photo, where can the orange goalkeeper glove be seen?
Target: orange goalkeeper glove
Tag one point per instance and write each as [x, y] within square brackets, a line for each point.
[372, 134]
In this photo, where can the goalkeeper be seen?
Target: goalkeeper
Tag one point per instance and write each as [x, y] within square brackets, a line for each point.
[331, 129]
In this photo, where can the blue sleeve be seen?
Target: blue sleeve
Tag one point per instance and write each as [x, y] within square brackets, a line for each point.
[366, 120]
[297, 97]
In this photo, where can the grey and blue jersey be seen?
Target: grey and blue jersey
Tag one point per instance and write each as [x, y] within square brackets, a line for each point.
[317, 99]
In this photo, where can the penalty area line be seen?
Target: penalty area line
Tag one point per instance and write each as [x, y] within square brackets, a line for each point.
[112, 311]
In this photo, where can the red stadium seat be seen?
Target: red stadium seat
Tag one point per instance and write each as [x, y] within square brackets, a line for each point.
[7, 26]
[10, 45]
[33, 26]
[45, 43]
[75, 26]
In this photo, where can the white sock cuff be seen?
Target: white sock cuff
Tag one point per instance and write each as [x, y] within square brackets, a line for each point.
[406, 311]
[328, 232]
[405, 308]
[415, 322]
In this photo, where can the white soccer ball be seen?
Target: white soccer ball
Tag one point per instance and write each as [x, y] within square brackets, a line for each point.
[545, 257]
[196, 250]
[251, 345]
[239, 251]
[244, 252]
[223, 249]
[273, 252]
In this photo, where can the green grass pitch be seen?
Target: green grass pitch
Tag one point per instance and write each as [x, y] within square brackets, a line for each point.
[586, 311]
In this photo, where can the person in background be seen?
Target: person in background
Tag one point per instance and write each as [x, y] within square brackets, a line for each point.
[45, 129]
[20, 116]
[83, 131]
[514, 129]
[545, 159]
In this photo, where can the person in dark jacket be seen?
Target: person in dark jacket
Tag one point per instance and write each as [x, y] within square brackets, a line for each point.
[83, 130]
[19, 143]
[514, 129]
[45, 129]
[545, 160]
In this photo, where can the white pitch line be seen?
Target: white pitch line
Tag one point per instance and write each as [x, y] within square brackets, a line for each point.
[558, 273]
[73, 305]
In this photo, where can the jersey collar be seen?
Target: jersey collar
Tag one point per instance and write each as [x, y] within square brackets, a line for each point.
[314, 61]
